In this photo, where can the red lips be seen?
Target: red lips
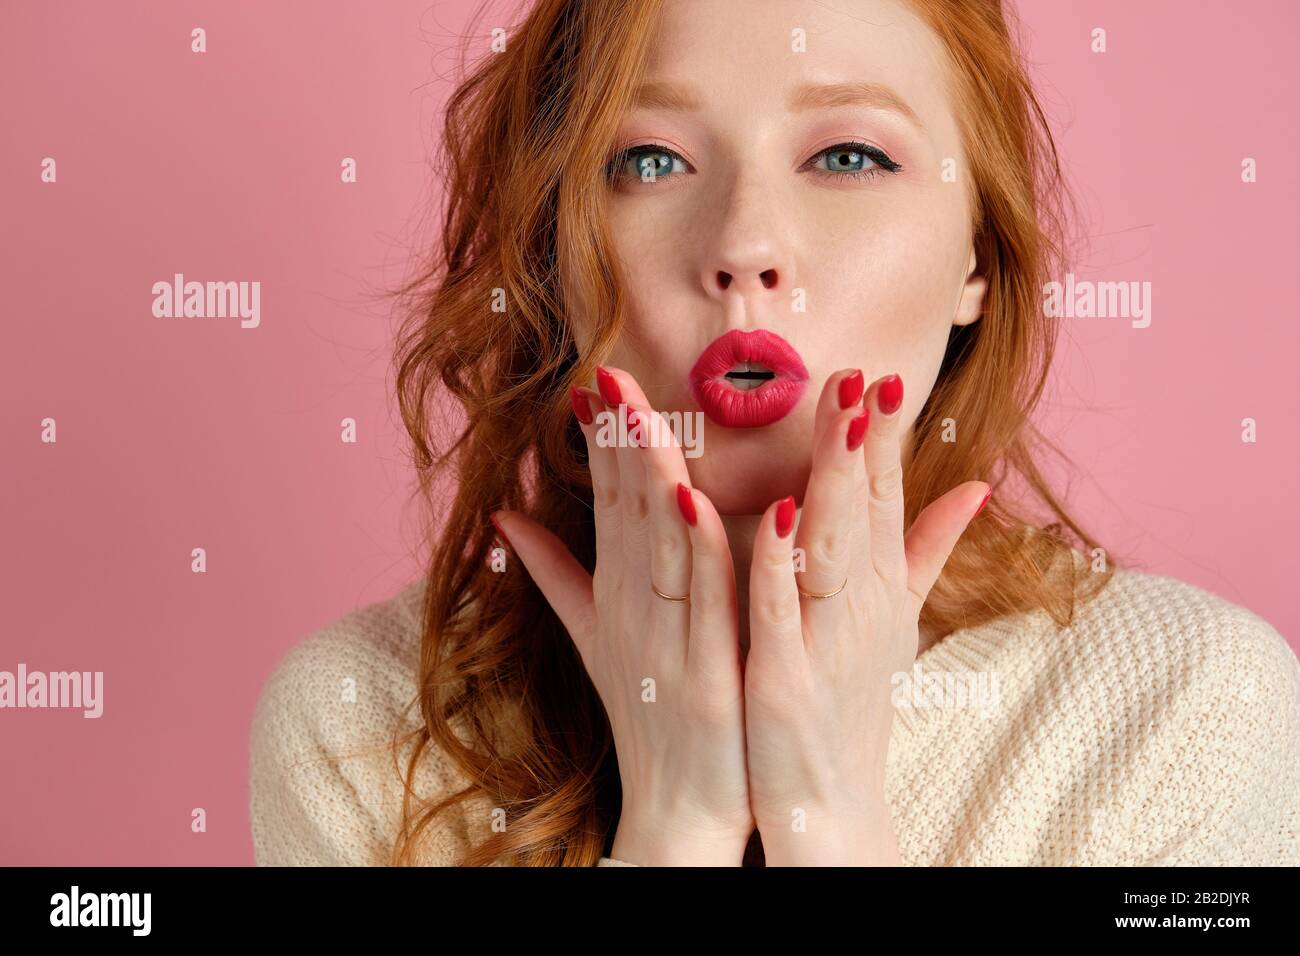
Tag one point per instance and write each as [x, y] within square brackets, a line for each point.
[725, 403]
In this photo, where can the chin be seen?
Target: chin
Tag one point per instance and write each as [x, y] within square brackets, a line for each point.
[743, 475]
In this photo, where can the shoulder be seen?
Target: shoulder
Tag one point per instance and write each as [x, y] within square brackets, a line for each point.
[1208, 695]
[368, 657]
[1151, 656]
[1165, 717]
[1208, 684]
[326, 740]
[1174, 636]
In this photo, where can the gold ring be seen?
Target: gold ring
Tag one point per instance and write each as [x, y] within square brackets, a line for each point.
[667, 597]
[809, 594]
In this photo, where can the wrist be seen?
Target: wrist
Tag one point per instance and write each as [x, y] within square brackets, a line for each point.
[648, 841]
[864, 836]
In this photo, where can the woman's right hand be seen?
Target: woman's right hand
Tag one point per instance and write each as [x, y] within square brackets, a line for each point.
[669, 673]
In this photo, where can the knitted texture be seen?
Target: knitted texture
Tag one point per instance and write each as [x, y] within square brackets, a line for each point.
[1161, 727]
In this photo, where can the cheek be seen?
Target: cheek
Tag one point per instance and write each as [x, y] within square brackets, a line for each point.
[897, 284]
[894, 290]
[644, 262]
[660, 312]
[655, 270]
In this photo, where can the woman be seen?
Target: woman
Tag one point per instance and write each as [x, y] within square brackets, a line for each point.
[812, 240]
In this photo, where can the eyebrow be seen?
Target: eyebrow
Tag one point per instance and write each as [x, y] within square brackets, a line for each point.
[671, 98]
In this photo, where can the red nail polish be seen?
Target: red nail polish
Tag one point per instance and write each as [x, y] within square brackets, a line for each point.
[784, 516]
[581, 407]
[501, 531]
[890, 394]
[608, 386]
[858, 431]
[851, 389]
[988, 494]
[642, 437]
[686, 504]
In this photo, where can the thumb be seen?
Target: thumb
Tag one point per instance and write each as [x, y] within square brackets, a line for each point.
[563, 581]
[934, 534]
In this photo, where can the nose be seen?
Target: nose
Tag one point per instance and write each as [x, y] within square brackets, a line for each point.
[749, 263]
[766, 279]
[748, 275]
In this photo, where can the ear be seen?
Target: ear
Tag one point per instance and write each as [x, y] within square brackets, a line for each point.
[971, 306]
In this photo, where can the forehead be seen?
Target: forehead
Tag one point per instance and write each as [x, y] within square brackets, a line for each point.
[744, 58]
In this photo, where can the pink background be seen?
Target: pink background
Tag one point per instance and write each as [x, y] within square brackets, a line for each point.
[177, 433]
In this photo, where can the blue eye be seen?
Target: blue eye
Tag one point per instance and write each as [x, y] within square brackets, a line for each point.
[650, 163]
[646, 164]
[855, 160]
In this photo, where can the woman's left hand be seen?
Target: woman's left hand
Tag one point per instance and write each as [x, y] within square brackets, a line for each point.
[818, 678]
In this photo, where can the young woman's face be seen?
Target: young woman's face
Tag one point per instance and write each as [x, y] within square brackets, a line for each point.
[808, 180]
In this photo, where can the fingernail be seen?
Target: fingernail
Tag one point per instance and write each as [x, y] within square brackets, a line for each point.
[988, 494]
[608, 386]
[642, 440]
[784, 516]
[581, 407]
[686, 504]
[851, 389]
[501, 531]
[890, 394]
[857, 431]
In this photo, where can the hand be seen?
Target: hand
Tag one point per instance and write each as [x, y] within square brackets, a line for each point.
[818, 678]
[668, 673]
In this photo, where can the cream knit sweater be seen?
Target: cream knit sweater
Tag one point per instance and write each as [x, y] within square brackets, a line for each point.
[1161, 727]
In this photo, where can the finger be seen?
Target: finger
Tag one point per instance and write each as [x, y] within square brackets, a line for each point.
[842, 390]
[882, 452]
[712, 647]
[829, 520]
[934, 534]
[563, 581]
[602, 461]
[663, 469]
[775, 619]
[612, 383]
